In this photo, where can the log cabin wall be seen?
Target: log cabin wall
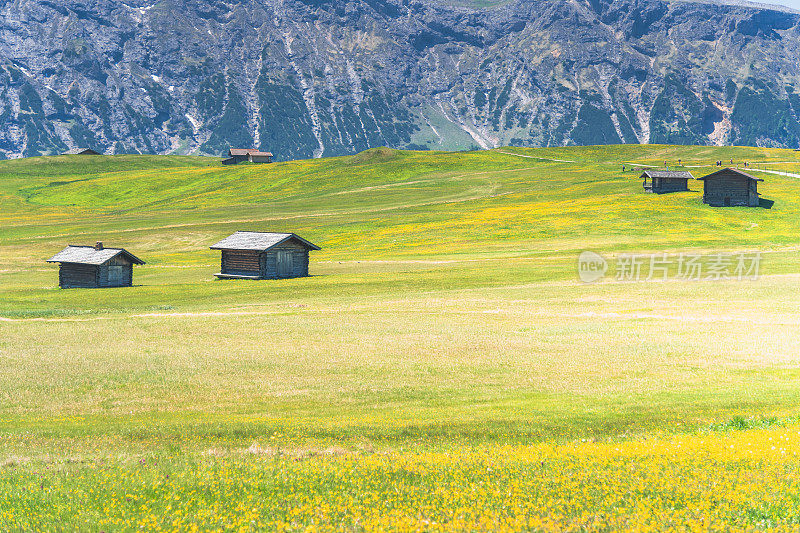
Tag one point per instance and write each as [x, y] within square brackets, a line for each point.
[241, 262]
[673, 185]
[299, 258]
[116, 272]
[755, 198]
[78, 276]
[301, 264]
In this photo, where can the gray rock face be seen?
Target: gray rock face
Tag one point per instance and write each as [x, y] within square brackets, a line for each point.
[306, 78]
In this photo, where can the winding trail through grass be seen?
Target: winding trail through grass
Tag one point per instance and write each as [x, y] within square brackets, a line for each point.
[589, 315]
[776, 172]
[639, 165]
[535, 157]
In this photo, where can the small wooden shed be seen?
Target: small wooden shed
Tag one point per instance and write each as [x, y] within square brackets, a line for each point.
[730, 187]
[92, 267]
[252, 155]
[666, 181]
[257, 255]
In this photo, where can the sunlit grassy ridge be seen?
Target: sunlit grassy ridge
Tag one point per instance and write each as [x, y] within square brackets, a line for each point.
[444, 312]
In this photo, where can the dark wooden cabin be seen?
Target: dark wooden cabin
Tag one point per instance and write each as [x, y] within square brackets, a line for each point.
[82, 151]
[251, 155]
[666, 181]
[256, 255]
[92, 267]
[730, 187]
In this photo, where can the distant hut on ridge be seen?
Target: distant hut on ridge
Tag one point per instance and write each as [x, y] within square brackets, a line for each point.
[82, 151]
[240, 155]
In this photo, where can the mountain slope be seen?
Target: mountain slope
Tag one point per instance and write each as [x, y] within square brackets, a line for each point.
[307, 78]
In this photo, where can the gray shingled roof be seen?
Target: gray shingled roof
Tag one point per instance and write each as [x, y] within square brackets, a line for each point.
[258, 241]
[89, 255]
[734, 170]
[677, 174]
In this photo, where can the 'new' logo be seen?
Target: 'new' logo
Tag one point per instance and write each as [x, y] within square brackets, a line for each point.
[591, 267]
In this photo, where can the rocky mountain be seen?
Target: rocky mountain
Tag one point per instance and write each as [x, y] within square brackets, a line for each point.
[309, 78]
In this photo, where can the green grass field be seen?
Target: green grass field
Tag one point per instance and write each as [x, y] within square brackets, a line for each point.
[443, 368]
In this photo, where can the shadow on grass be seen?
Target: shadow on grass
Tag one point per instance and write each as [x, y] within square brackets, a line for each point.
[765, 203]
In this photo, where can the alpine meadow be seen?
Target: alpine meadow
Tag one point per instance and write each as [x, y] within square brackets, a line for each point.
[444, 367]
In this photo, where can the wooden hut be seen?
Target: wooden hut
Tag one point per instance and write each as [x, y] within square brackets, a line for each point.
[240, 155]
[256, 255]
[94, 267]
[730, 187]
[666, 181]
[82, 151]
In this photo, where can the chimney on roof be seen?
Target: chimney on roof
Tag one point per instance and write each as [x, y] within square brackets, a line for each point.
[99, 245]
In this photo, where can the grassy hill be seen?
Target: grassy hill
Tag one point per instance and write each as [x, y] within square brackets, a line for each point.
[444, 318]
